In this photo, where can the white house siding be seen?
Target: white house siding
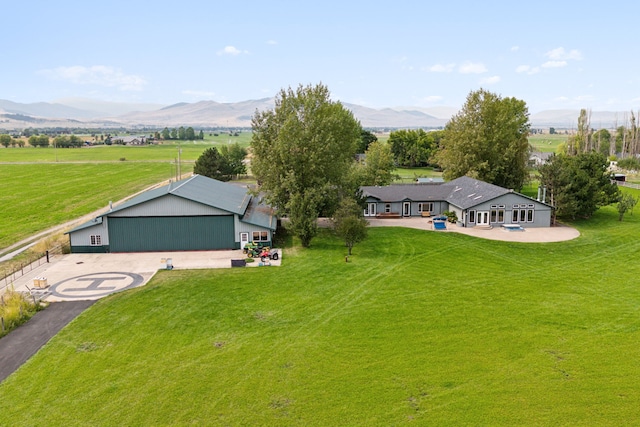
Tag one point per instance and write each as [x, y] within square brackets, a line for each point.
[243, 227]
[169, 205]
[83, 237]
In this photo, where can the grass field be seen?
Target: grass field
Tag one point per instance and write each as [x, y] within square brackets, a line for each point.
[39, 196]
[547, 143]
[420, 328]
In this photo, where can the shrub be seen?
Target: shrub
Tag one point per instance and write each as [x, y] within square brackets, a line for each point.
[15, 309]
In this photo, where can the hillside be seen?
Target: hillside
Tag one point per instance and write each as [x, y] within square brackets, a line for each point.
[75, 112]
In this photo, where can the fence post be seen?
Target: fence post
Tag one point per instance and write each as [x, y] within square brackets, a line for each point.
[47, 256]
[2, 321]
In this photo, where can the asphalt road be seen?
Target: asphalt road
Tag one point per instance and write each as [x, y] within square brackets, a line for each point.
[23, 342]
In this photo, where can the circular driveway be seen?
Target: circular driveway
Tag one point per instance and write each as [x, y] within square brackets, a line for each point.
[529, 235]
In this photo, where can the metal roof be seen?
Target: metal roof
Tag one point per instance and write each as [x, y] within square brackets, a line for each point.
[198, 188]
[207, 191]
[463, 192]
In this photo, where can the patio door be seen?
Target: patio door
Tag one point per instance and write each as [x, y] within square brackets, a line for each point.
[370, 209]
[482, 218]
[406, 209]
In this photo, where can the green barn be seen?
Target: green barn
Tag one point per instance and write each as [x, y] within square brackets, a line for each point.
[197, 213]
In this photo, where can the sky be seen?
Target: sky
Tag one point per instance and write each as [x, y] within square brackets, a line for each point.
[550, 54]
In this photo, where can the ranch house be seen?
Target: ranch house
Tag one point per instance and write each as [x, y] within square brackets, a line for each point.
[197, 213]
[476, 203]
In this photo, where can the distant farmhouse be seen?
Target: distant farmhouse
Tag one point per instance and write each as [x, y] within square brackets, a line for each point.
[130, 140]
[476, 203]
[197, 213]
[538, 158]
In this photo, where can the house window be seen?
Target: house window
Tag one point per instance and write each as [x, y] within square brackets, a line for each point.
[529, 215]
[523, 215]
[497, 214]
[425, 207]
[387, 208]
[260, 236]
[96, 240]
[472, 216]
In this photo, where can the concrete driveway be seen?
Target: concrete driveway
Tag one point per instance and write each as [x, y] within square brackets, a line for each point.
[77, 277]
[529, 235]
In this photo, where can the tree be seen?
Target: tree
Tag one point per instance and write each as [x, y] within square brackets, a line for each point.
[233, 159]
[190, 134]
[39, 141]
[378, 166]
[626, 202]
[201, 134]
[578, 185]
[166, 134]
[412, 147]
[366, 138]
[487, 140]
[182, 133]
[211, 164]
[602, 141]
[349, 224]
[174, 133]
[302, 150]
[5, 140]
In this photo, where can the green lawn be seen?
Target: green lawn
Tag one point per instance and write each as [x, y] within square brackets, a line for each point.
[39, 196]
[419, 328]
[547, 143]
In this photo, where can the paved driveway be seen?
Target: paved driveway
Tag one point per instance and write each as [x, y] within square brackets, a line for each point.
[76, 277]
[530, 235]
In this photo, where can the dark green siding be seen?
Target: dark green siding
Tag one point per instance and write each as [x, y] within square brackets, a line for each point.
[175, 233]
[89, 249]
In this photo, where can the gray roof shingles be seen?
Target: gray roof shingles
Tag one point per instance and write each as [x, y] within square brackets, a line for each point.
[463, 192]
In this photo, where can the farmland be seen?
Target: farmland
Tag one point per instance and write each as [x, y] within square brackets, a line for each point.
[420, 327]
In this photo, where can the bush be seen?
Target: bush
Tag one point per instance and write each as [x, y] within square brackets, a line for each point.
[15, 309]
[451, 216]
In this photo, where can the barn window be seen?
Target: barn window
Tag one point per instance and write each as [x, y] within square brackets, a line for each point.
[472, 216]
[96, 240]
[260, 236]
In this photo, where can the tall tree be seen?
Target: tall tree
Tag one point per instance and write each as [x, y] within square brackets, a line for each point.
[302, 150]
[190, 134]
[578, 185]
[487, 140]
[378, 166]
[166, 134]
[366, 138]
[233, 158]
[412, 147]
[211, 164]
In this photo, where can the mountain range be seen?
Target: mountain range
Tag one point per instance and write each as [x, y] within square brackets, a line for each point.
[80, 112]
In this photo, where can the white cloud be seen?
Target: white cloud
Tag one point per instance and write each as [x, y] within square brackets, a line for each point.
[561, 99]
[472, 68]
[554, 64]
[515, 48]
[490, 80]
[527, 69]
[559, 53]
[433, 98]
[441, 68]
[199, 93]
[272, 42]
[231, 50]
[99, 75]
